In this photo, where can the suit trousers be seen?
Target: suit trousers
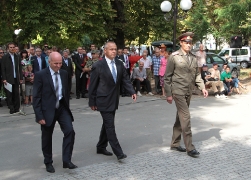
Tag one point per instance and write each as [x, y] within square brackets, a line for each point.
[13, 98]
[157, 84]
[80, 84]
[108, 133]
[182, 124]
[145, 82]
[64, 119]
[148, 74]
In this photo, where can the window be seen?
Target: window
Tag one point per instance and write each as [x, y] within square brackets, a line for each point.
[235, 52]
[208, 60]
[223, 52]
[244, 51]
[217, 59]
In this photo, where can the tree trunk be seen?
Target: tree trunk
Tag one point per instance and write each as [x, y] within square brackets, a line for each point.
[120, 35]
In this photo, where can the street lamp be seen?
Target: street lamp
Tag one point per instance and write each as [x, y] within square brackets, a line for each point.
[166, 7]
[17, 32]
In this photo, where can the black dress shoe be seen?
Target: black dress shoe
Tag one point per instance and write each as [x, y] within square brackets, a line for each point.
[49, 168]
[122, 156]
[180, 149]
[193, 153]
[104, 152]
[69, 165]
[77, 97]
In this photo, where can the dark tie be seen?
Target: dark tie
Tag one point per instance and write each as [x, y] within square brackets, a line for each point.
[56, 89]
[81, 56]
[127, 63]
[114, 75]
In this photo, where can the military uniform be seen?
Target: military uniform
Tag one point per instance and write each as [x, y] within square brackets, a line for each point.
[181, 75]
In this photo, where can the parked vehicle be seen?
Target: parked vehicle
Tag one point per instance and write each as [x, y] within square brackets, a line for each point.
[211, 58]
[240, 56]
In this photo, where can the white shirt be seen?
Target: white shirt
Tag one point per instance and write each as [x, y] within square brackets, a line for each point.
[109, 62]
[126, 61]
[39, 62]
[60, 93]
[89, 54]
[13, 62]
[147, 62]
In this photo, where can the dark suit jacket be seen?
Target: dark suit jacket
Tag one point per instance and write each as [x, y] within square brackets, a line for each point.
[7, 68]
[77, 61]
[68, 68]
[35, 65]
[44, 95]
[103, 91]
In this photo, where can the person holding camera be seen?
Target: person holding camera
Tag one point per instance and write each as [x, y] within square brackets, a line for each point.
[210, 81]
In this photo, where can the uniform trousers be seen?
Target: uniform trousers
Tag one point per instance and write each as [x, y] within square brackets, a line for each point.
[64, 119]
[182, 124]
[108, 134]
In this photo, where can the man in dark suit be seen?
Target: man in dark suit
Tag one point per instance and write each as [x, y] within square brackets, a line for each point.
[12, 74]
[80, 74]
[67, 65]
[38, 61]
[51, 104]
[106, 77]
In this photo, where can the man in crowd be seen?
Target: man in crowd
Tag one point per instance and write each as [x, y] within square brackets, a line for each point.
[80, 74]
[147, 65]
[67, 65]
[106, 77]
[208, 80]
[50, 92]
[140, 78]
[133, 52]
[32, 52]
[215, 73]
[48, 52]
[1, 85]
[181, 75]
[46, 47]
[156, 66]
[17, 51]
[92, 47]
[12, 74]
[201, 56]
[90, 62]
[126, 62]
[38, 62]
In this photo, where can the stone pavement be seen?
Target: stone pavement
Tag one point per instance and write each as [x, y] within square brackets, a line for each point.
[219, 160]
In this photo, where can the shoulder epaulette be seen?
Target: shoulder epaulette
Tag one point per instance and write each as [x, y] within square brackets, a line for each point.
[175, 53]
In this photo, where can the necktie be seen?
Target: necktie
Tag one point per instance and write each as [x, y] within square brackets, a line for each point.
[114, 75]
[81, 56]
[188, 59]
[127, 63]
[56, 89]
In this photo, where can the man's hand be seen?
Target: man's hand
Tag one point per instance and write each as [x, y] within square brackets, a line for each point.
[42, 122]
[94, 108]
[5, 82]
[134, 97]
[169, 99]
[205, 93]
[83, 69]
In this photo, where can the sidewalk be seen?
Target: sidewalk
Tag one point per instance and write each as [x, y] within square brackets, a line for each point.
[219, 160]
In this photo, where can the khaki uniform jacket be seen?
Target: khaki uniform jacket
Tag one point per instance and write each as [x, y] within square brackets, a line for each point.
[181, 75]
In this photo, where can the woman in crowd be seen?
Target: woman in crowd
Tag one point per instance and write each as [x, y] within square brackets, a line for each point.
[162, 70]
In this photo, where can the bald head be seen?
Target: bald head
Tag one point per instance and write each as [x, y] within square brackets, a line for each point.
[55, 61]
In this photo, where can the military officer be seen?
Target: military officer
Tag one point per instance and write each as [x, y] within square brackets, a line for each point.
[90, 62]
[181, 75]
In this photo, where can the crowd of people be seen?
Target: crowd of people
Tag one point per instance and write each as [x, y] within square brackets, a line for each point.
[79, 65]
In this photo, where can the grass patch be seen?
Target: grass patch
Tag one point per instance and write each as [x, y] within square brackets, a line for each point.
[245, 73]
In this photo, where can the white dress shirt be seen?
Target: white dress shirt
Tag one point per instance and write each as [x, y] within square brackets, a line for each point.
[60, 93]
[13, 62]
[39, 62]
[109, 62]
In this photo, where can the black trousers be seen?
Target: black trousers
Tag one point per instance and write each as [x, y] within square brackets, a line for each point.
[64, 119]
[108, 134]
[157, 84]
[13, 98]
[122, 89]
[80, 83]
[146, 82]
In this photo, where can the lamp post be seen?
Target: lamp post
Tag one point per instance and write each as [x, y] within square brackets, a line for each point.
[17, 32]
[166, 6]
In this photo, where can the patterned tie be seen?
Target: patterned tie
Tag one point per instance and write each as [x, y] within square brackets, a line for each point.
[127, 62]
[114, 75]
[56, 89]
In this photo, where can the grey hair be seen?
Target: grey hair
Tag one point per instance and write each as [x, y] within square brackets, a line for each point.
[38, 49]
[109, 42]
[66, 51]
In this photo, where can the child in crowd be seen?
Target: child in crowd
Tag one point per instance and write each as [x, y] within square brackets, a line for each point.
[29, 77]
